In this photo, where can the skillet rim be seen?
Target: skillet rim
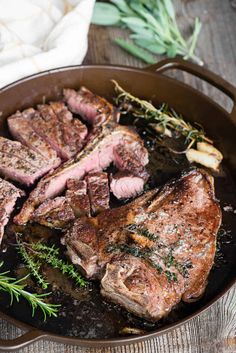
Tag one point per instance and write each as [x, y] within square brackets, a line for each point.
[127, 340]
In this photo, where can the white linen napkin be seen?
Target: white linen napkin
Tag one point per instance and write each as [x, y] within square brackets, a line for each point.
[37, 35]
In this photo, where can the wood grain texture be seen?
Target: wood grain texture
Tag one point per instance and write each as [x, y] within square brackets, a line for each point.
[214, 331]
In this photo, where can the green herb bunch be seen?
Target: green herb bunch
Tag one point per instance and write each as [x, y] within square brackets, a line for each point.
[16, 289]
[153, 26]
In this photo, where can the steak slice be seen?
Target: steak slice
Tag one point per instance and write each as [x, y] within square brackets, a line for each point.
[96, 156]
[21, 163]
[74, 132]
[132, 158]
[56, 213]
[92, 108]
[98, 191]
[20, 126]
[126, 185]
[8, 196]
[77, 197]
[56, 125]
[158, 249]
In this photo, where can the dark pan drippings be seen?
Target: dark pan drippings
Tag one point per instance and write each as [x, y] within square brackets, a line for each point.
[84, 313]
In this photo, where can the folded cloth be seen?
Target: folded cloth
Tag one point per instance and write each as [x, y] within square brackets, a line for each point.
[37, 35]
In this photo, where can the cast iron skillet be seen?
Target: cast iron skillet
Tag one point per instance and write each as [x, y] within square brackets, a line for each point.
[152, 85]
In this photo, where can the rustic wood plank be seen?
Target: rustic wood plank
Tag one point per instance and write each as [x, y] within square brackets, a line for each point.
[214, 331]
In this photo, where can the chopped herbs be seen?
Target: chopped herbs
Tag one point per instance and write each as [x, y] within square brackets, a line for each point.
[134, 228]
[129, 249]
[16, 289]
[171, 276]
[146, 254]
[170, 261]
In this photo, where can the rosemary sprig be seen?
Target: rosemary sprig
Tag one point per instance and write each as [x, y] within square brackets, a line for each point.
[16, 289]
[32, 265]
[153, 26]
[164, 118]
[51, 256]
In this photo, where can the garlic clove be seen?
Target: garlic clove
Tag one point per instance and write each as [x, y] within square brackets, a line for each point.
[203, 158]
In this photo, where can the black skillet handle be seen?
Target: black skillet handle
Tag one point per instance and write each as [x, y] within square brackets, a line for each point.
[21, 341]
[200, 72]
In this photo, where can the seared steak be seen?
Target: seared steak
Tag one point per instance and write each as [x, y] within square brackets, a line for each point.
[98, 190]
[88, 105]
[97, 155]
[56, 213]
[156, 250]
[77, 197]
[56, 125]
[125, 185]
[8, 196]
[20, 126]
[20, 163]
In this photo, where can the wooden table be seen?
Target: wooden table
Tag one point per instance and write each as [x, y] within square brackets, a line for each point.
[214, 331]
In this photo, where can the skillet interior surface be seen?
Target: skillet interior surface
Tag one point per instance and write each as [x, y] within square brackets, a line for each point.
[84, 313]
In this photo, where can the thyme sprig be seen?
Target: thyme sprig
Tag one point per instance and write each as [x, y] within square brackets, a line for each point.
[16, 289]
[164, 118]
[33, 265]
[51, 256]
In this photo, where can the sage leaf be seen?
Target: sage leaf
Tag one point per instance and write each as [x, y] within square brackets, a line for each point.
[169, 8]
[136, 25]
[122, 6]
[172, 51]
[105, 14]
[135, 51]
[151, 46]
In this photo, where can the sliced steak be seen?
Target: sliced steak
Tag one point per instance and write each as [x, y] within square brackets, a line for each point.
[8, 196]
[56, 213]
[77, 197]
[126, 185]
[56, 125]
[92, 108]
[158, 249]
[96, 156]
[20, 163]
[132, 157]
[74, 132]
[20, 126]
[98, 190]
